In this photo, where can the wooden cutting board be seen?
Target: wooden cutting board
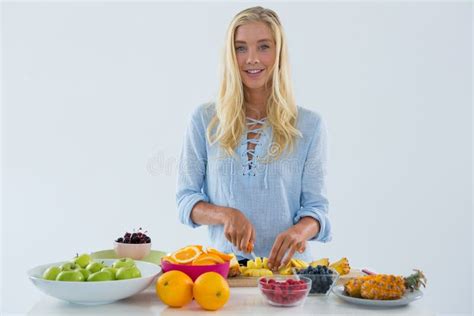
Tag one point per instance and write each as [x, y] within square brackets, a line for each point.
[241, 281]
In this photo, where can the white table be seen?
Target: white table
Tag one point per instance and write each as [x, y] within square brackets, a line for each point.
[247, 301]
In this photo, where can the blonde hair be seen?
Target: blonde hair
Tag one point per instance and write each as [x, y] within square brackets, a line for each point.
[229, 119]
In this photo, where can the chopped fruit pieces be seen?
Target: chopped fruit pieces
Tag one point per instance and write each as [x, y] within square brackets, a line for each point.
[257, 272]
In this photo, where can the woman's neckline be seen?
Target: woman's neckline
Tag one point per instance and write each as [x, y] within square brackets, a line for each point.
[255, 119]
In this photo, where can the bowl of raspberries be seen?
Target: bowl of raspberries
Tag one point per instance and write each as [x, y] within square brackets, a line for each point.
[284, 290]
[323, 279]
[136, 245]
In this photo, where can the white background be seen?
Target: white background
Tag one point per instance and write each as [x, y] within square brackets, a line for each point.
[96, 97]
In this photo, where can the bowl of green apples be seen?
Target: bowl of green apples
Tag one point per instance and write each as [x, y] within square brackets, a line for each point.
[83, 280]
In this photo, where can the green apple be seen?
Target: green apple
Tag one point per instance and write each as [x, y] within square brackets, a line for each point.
[123, 262]
[100, 276]
[51, 273]
[112, 271]
[70, 276]
[128, 273]
[68, 266]
[84, 272]
[94, 266]
[82, 260]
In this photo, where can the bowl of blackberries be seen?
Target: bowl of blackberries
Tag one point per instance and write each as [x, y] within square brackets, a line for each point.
[136, 245]
[322, 279]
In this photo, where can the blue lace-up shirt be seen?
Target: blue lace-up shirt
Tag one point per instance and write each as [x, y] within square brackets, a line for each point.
[273, 194]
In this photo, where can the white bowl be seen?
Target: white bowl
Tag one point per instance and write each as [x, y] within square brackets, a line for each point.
[94, 293]
[134, 251]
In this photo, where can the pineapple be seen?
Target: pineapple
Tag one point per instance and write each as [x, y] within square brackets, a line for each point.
[352, 287]
[342, 266]
[384, 286]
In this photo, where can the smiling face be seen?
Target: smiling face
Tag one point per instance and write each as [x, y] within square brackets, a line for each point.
[256, 53]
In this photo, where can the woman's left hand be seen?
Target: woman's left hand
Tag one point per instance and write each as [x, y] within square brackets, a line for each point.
[289, 241]
[292, 240]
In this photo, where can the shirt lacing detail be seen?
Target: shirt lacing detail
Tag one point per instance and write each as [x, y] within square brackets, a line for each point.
[249, 165]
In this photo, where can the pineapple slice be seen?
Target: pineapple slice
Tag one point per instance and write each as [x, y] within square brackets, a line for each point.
[258, 263]
[286, 271]
[320, 262]
[303, 264]
[342, 266]
[294, 263]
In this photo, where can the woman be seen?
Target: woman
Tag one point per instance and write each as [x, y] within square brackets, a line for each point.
[252, 166]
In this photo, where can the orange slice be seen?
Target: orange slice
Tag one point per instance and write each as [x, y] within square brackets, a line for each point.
[207, 259]
[198, 247]
[169, 259]
[223, 256]
[186, 254]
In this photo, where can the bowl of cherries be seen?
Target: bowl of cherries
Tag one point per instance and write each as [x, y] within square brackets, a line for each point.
[136, 245]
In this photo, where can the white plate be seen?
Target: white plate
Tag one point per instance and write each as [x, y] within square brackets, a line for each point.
[406, 298]
[94, 293]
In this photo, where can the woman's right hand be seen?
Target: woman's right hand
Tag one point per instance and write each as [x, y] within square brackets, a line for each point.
[238, 229]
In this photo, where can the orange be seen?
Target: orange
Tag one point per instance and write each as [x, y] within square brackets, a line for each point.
[222, 255]
[186, 254]
[211, 291]
[249, 247]
[175, 288]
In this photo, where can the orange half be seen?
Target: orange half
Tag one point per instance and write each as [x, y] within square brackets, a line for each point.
[186, 254]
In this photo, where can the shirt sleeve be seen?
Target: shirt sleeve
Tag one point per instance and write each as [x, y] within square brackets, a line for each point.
[192, 169]
[313, 200]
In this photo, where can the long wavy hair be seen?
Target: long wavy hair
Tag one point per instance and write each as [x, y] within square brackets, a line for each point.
[229, 121]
